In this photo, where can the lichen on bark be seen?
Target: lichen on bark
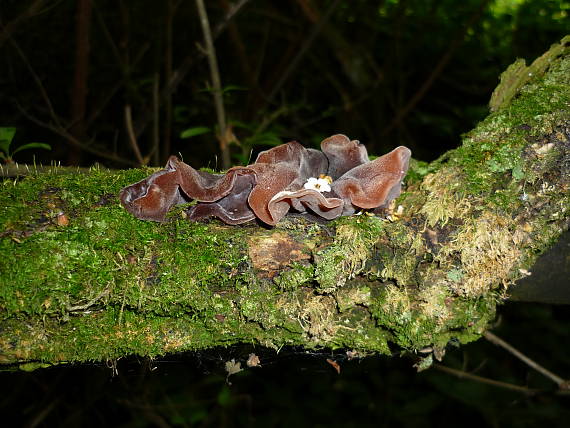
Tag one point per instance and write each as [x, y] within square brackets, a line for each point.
[103, 284]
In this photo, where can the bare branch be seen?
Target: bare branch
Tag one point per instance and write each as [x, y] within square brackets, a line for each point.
[96, 112]
[38, 82]
[131, 134]
[505, 385]
[10, 27]
[216, 84]
[562, 384]
[155, 119]
[193, 57]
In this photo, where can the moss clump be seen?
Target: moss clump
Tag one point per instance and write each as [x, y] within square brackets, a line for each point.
[490, 247]
[105, 256]
[517, 75]
[398, 253]
[480, 203]
[296, 276]
[347, 255]
[431, 316]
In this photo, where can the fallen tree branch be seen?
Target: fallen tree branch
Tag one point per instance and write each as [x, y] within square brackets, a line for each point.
[430, 273]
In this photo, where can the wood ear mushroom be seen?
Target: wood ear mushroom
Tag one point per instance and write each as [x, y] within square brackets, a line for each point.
[339, 180]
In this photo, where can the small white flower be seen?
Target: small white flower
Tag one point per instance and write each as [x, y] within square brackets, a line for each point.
[321, 184]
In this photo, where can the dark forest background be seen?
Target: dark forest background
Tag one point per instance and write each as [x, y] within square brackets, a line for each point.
[79, 74]
[127, 82]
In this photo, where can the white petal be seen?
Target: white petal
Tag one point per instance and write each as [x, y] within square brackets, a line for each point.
[323, 185]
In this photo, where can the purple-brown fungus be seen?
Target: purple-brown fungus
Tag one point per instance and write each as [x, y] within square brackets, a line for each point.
[339, 180]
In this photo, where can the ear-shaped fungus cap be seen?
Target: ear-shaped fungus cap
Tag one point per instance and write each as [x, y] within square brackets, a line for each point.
[343, 154]
[274, 183]
[178, 183]
[282, 170]
[151, 198]
[357, 183]
[373, 184]
[232, 208]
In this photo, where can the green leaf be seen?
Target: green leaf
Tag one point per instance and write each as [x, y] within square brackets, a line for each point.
[224, 397]
[518, 173]
[455, 275]
[229, 88]
[242, 125]
[196, 130]
[263, 139]
[32, 146]
[6, 136]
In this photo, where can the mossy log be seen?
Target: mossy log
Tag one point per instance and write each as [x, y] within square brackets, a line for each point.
[83, 280]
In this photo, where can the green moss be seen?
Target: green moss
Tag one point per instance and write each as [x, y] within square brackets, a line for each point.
[297, 275]
[347, 255]
[419, 320]
[496, 145]
[366, 337]
[418, 170]
[398, 253]
[518, 74]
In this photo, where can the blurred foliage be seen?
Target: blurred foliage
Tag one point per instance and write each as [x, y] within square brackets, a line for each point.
[388, 72]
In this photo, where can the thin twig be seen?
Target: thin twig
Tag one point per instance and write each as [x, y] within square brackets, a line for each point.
[11, 26]
[155, 119]
[60, 130]
[89, 303]
[239, 47]
[38, 418]
[500, 342]
[131, 134]
[108, 37]
[111, 92]
[168, 51]
[230, 14]
[216, 83]
[505, 385]
[38, 82]
[192, 58]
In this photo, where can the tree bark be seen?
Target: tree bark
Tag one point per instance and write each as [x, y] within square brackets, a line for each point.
[83, 280]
